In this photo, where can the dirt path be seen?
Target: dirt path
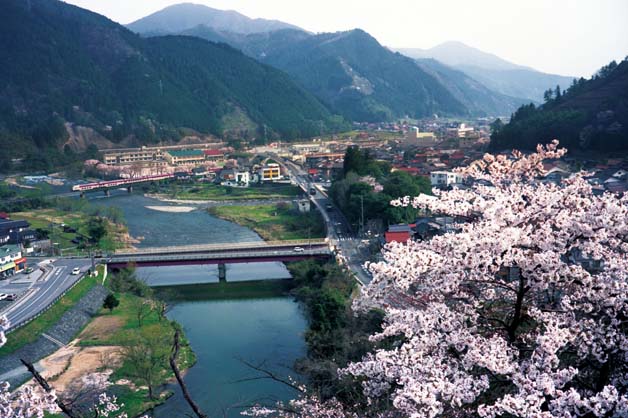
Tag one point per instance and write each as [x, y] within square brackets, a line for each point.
[74, 367]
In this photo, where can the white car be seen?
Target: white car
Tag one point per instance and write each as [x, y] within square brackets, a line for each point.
[3, 296]
[298, 249]
[76, 271]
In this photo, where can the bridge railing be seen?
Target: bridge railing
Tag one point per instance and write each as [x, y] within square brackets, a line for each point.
[224, 247]
[129, 258]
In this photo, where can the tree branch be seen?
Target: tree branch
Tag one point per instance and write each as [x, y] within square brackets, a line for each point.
[175, 368]
[45, 386]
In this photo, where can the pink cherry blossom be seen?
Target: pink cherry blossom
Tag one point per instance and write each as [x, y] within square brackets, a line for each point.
[520, 312]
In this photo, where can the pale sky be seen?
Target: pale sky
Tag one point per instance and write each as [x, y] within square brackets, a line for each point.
[568, 37]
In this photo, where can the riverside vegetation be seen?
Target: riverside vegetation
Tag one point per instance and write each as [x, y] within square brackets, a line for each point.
[138, 337]
[75, 224]
[274, 222]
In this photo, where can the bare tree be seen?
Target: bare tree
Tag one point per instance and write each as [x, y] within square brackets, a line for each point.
[175, 369]
[146, 356]
[45, 386]
[142, 309]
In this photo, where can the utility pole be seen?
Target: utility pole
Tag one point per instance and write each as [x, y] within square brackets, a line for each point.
[309, 241]
[361, 214]
[91, 256]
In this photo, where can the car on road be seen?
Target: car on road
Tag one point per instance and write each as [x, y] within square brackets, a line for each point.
[76, 271]
[28, 270]
[329, 206]
[298, 249]
[11, 296]
[3, 296]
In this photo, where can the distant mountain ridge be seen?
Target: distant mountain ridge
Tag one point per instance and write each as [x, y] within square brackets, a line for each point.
[494, 72]
[455, 54]
[473, 94]
[181, 17]
[350, 71]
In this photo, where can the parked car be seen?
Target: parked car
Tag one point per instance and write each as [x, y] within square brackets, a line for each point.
[298, 249]
[76, 271]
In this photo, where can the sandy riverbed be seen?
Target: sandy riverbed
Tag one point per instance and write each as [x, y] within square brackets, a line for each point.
[172, 209]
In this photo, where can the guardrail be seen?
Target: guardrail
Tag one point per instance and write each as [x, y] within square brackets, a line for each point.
[223, 247]
[47, 308]
[213, 256]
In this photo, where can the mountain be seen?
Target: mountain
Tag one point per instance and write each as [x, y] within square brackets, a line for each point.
[529, 84]
[494, 72]
[181, 17]
[590, 115]
[474, 95]
[62, 64]
[360, 79]
[457, 54]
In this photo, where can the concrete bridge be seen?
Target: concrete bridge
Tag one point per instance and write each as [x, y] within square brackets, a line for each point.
[222, 254]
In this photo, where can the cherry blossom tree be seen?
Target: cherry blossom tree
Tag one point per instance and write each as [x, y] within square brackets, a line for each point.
[521, 311]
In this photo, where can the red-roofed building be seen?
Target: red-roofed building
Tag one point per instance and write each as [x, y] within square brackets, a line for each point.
[410, 170]
[398, 233]
[213, 154]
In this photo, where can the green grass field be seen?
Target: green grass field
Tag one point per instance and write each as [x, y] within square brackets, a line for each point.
[127, 331]
[215, 192]
[274, 222]
[43, 218]
[31, 331]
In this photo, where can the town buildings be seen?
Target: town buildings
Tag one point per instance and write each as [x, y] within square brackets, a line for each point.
[184, 157]
[444, 179]
[15, 232]
[270, 172]
[122, 156]
[11, 260]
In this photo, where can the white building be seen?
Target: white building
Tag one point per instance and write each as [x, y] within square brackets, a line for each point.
[270, 172]
[464, 130]
[240, 179]
[444, 178]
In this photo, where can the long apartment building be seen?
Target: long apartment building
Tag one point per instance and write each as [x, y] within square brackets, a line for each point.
[150, 154]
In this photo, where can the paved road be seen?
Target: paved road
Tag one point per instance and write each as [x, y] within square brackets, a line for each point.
[338, 229]
[37, 294]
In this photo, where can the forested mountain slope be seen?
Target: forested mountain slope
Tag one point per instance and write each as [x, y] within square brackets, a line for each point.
[591, 114]
[61, 63]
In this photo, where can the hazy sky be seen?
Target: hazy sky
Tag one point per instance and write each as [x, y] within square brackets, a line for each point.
[569, 37]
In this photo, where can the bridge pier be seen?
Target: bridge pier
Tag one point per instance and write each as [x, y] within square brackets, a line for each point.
[129, 189]
[106, 192]
[222, 273]
[82, 195]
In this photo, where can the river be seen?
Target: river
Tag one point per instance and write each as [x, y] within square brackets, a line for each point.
[226, 324]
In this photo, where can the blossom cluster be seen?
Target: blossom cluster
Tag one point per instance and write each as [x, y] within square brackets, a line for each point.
[522, 311]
